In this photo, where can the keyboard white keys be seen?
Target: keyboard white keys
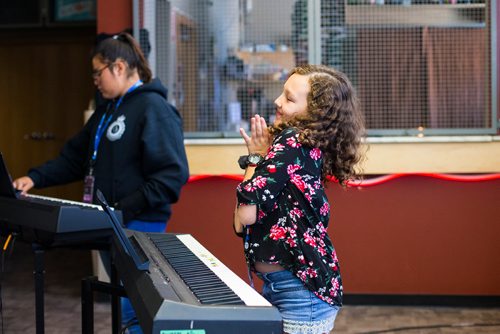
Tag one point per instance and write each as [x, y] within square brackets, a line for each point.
[60, 201]
[233, 281]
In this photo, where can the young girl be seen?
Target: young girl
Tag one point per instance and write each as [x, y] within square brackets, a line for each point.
[283, 211]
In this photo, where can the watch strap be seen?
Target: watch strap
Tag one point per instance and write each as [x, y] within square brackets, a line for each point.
[242, 161]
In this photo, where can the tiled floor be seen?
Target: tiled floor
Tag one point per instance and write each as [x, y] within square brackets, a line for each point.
[65, 268]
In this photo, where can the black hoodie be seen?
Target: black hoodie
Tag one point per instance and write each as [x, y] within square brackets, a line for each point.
[141, 163]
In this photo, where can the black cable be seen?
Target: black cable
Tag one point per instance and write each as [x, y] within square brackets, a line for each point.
[410, 328]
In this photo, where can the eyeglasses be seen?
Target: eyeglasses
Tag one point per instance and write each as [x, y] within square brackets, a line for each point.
[97, 73]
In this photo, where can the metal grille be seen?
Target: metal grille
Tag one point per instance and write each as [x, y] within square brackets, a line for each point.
[419, 66]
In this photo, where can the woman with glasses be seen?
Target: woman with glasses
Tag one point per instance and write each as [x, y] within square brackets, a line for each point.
[131, 148]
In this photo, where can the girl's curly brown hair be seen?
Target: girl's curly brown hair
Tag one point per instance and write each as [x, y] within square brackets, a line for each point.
[333, 122]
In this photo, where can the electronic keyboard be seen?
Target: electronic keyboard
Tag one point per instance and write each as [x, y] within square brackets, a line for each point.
[52, 221]
[186, 289]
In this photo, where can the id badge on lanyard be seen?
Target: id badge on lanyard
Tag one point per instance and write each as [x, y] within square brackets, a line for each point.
[88, 186]
[89, 180]
[88, 189]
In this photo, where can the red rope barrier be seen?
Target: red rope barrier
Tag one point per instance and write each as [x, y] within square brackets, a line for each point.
[378, 180]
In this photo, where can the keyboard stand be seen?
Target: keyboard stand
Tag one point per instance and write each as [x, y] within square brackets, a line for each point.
[91, 284]
[39, 277]
[39, 281]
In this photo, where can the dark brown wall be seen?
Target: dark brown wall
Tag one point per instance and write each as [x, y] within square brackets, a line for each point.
[45, 88]
[412, 235]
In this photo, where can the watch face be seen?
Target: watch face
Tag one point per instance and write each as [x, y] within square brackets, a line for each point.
[254, 158]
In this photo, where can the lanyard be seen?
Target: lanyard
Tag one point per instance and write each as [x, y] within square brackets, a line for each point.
[103, 124]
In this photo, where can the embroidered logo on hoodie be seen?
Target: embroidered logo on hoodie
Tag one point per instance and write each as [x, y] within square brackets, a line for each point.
[116, 129]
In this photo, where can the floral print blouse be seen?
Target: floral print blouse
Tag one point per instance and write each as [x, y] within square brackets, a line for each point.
[292, 216]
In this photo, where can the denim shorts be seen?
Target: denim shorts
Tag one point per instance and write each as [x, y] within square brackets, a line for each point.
[302, 311]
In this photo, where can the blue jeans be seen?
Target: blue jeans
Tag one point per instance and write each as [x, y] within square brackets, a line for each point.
[128, 313]
[302, 311]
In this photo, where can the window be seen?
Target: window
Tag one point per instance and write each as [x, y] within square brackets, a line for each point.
[419, 66]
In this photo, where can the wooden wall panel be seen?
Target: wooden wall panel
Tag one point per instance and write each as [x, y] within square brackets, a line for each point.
[45, 87]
